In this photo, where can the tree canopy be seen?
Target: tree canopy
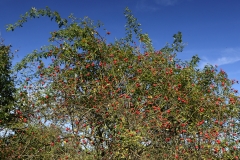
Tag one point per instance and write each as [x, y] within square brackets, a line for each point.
[7, 84]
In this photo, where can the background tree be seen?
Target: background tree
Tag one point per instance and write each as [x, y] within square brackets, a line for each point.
[7, 88]
[115, 101]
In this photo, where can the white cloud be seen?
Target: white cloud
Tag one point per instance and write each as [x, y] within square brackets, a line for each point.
[142, 6]
[166, 2]
[228, 56]
[145, 5]
[226, 60]
[235, 51]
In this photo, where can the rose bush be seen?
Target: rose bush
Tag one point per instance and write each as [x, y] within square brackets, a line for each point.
[121, 100]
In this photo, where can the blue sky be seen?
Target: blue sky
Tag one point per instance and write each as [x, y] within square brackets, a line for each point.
[210, 28]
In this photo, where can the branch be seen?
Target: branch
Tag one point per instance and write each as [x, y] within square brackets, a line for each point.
[34, 13]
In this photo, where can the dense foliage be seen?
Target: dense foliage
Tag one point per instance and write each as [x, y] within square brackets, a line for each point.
[6, 84]
[82, 98]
